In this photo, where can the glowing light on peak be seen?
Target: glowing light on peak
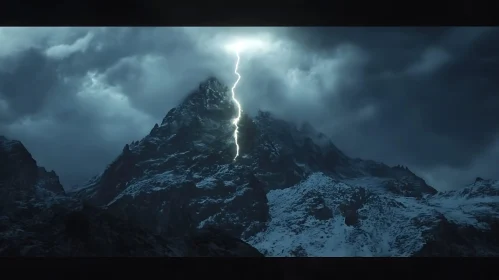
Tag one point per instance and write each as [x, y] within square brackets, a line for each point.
[246, 44]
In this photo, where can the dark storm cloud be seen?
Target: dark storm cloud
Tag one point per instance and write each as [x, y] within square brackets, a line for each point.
[435, 92]
[20, 76]
[69, 123]
[423, 97]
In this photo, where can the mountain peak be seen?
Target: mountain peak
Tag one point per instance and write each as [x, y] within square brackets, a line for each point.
[288, 180]
[7, 144]
[209, 100]
[20, 170]
[212, 81]
[211, 88]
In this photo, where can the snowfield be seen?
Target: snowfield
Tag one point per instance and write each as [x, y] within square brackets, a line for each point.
[389, 225]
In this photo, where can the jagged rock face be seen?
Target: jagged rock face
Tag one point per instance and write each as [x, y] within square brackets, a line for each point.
[17, 166]
[16, 163]
[290, 192]
[21, 180]
[38, 219]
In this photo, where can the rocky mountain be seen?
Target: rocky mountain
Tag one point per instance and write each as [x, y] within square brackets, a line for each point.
[38, 219]
[290, 192]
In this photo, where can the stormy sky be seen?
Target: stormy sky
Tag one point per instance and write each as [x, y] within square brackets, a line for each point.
[427, 98]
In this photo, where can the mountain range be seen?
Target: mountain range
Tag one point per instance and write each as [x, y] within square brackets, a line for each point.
[290, 192]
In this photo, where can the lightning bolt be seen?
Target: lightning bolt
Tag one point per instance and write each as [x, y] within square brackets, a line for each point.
[236, 120]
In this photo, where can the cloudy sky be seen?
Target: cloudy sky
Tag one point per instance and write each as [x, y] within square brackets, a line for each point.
[427, 98]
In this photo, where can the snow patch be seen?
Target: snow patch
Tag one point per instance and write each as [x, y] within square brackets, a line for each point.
[208, 182]
[8, 145]
[152, 183]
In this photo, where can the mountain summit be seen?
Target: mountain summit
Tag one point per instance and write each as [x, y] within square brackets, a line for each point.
[290, 193]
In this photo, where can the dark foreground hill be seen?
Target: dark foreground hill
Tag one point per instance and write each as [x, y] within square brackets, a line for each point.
[38, 219]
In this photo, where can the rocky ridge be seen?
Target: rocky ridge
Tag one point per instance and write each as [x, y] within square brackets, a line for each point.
[37, 218]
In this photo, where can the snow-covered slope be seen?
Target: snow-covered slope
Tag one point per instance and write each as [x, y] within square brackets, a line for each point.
[291, 191]
[325, 217]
